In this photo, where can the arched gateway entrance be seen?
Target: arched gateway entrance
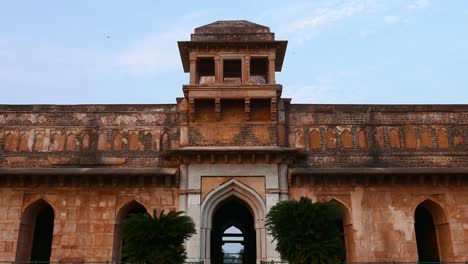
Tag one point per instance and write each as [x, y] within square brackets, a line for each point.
[233, 204]
[233, 212]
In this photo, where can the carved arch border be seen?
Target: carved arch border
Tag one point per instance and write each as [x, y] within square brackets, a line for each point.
[212, 201]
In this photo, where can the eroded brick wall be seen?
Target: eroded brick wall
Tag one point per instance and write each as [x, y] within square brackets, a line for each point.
[232, 125]
[120, 135]
[380, 136]
[84, 216]
[382, 216]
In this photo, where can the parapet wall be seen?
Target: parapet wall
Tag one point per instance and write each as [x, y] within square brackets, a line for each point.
[94, 135]
[380, 135]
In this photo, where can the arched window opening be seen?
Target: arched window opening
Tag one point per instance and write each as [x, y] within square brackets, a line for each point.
[125, 212]
[233, 245]
[433, 236]
[36, 232]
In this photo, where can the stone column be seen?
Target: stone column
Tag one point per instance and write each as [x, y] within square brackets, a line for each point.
[272, 198]
[183, 185]
[193, 68]
[246, 69]
[271, 70]
[218, 69]
[193, 243]
[283, 181]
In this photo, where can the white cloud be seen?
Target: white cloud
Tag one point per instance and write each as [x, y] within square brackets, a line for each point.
[419, 4]
[392, 20]
[298, 23]
[323, 16]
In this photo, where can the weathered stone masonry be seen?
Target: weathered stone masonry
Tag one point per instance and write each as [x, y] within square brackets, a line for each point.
[233, 137]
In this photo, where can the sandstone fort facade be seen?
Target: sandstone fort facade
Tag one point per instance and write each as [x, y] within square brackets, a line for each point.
[225, 153]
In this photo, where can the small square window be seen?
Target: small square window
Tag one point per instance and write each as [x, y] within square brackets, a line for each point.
[232, 72]
[205, 70]
[258, 70]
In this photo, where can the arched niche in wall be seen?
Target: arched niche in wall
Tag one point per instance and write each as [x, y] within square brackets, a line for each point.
[433, 235]
[85, 141]
[36, 232]
[346, 226]
[165, 142]
[117, 142]
[133, 207]
[346, 139]
[314, 139]
[70, 143]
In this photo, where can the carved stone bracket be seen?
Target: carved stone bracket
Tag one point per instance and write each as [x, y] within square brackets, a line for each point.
[99, 177]
[273, 108]
[247, 109]
[218, 108]
[192, 109]
[234, 155]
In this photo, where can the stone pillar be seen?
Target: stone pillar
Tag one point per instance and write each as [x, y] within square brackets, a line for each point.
[183, 110]
[183, 185]
[193, 243]
[193, 69]
[246, 69]
[281, 127]
[283, 181]
[218, 69]
[271, 70]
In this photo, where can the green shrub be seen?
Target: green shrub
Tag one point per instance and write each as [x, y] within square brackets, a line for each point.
[156, 240]
[306, 232]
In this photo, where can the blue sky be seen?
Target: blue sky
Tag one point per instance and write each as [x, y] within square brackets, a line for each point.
[125, 52]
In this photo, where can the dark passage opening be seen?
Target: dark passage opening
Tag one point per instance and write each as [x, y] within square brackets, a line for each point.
[43, 233]
[125, 212]
[426, 238]
[259, 70]
[136, 209]
[205, 70]
[342, 226]
[36, 232]
[233, 230]
[232, 72]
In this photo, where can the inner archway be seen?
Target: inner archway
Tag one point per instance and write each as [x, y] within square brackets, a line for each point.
[233, 245]
[345, 226]
[233, 213]
[126, 211]
[36, 232]
[433, 238]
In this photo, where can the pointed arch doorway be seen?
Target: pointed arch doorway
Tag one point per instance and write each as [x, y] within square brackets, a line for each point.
[233, 204]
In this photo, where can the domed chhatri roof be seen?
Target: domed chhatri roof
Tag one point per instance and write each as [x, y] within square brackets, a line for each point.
[232, 30]
[232, 33]
[232, 26]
